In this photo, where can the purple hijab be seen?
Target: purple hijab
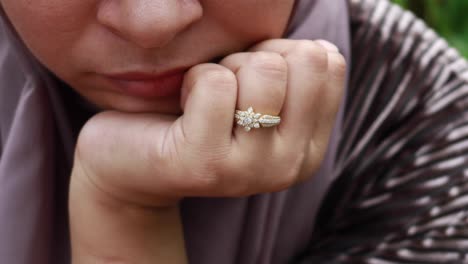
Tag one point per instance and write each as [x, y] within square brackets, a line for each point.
[37, 137]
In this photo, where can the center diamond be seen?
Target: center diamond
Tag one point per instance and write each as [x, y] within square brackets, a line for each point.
[248, 119]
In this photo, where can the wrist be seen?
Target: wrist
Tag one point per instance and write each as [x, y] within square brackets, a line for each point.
[104, 228]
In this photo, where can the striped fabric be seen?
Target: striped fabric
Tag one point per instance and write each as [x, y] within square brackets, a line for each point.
[401, 194]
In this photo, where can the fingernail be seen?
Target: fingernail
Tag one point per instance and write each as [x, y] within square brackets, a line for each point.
[328, 45]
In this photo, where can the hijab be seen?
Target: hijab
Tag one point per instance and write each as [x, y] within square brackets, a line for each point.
[37, 135]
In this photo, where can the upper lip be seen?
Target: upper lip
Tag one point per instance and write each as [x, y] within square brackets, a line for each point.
[145, 75]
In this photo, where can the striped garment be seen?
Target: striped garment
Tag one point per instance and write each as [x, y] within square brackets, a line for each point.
[401, 194]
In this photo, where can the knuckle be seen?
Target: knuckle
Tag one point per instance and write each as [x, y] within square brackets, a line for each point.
[217, 75]
[334, 91]
[270, 63]
[233, 59]
[315, 155]
[308, 172]
[311, 164]
[337, 65]
[208, 174]
[212, 76]
[104, 259]
[240, 177]
[327, 45]
[247, 182]
[289, 172]
[203, 179]
[236, 182]
[312, 54]
[283, 184]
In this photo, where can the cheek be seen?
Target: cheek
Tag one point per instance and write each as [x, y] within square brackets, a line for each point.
[49, 27]
[257, 19]
[47, 16]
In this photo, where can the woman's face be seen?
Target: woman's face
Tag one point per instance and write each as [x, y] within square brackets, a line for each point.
[105, 48]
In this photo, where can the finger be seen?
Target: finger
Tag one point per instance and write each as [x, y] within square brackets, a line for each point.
[308, 67]
[209, 108]
[324, 94]
[321, 136]
[333, 94]
[262, 79]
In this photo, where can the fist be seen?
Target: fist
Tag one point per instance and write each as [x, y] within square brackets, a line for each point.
[147, 161]
[151, 159]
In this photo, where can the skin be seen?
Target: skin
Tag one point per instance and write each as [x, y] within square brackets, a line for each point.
[81, 40]
[125, 195]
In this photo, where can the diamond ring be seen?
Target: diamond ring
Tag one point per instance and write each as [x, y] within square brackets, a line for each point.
[249, 119]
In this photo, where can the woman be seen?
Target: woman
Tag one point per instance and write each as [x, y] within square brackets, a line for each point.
[166, 78]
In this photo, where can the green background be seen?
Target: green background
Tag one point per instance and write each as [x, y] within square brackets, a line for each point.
[448, 17]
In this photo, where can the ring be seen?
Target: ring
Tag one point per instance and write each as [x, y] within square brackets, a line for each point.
[249, 119]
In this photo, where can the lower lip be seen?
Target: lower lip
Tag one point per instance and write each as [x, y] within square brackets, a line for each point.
[166, 86]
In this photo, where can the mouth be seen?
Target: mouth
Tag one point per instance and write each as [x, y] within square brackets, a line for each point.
[148, 85]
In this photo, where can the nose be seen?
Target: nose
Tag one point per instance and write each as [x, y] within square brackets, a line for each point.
[149, 23]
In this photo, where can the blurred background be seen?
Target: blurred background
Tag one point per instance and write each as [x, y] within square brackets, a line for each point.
[448, 17]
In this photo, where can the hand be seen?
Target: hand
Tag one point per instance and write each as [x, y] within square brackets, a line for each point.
[131, 169]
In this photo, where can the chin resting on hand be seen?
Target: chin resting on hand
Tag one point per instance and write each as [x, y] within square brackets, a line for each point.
[131, 170]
